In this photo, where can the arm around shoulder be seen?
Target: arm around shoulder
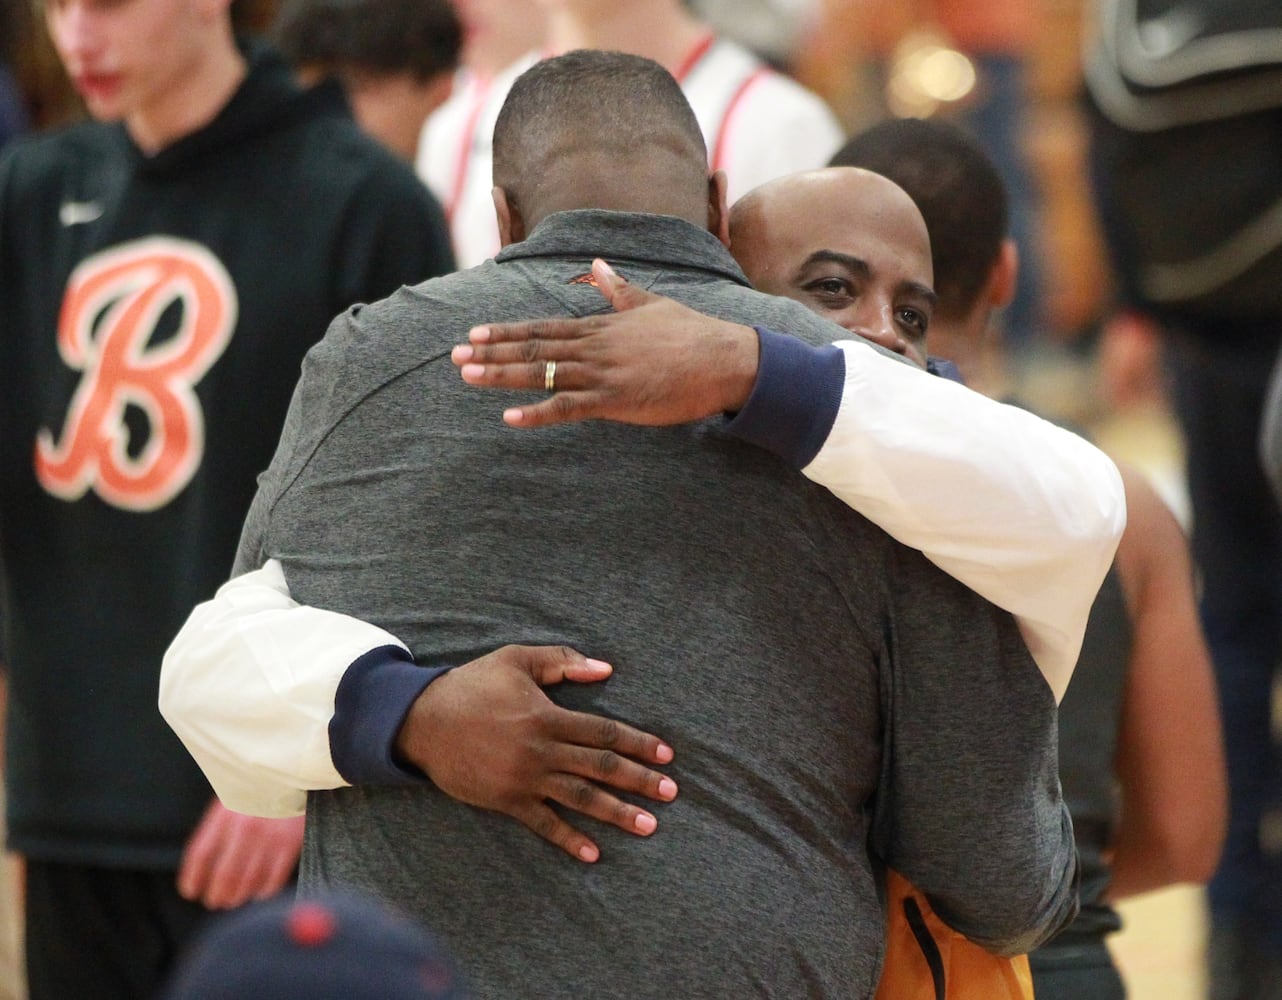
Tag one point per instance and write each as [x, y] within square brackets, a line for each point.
[1170, 755]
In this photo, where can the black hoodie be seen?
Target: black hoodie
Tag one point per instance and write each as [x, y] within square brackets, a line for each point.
[154, 312]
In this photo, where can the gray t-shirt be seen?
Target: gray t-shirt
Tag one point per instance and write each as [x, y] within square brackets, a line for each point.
[774, 637]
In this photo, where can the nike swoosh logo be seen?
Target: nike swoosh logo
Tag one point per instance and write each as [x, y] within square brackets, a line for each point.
[75, 213]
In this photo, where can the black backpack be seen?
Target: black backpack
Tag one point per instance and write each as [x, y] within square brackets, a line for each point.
[1187, 99]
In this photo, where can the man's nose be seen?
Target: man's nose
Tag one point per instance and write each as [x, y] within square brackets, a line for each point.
[877, 323]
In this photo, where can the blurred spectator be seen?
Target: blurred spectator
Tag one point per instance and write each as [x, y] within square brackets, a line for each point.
[758, 124]
[13, 103]
[394, 58]
[336, 946]
[13, 107]
[41, 95]
[771, 28]
[13, 122]
[1186, 119]
[496, 33]
[164, 268]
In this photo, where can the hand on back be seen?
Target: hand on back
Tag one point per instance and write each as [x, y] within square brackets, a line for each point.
[652, 361]
[487, 734]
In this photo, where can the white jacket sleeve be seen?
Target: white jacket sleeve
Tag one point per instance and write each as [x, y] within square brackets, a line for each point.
[1025, 513]
[248, 685]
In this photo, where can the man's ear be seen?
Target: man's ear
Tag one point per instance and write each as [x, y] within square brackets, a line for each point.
[1005, 272]
[511, 225]
[718, 210]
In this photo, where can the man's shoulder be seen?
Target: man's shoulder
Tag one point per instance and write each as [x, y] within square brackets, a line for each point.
[36, 153]
[336, 146]
[415, 322]
[489, 292]
[371, 345]
[460, 293]
[338, 165]
[41, 171]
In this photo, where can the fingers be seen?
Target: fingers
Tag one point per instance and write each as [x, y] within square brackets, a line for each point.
[231, 859]
[197, 860]
[533, 331]
[607, 752]
[559, 409]
[542, 820]
[608, 281]
[272, 875]
[563, 408]
[255, 860]
[605, 767]
[590, 800]
[522, 365]
[567, 405]
[585, 798]
[548, 665]
[584, 670]
[232, 877]
[620, 294]
[554, 664]
[210, 872]
[482, 368]
[597, 733]
[279, 843]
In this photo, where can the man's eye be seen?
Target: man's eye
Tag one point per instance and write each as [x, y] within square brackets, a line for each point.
[830, 286]
[914, 320]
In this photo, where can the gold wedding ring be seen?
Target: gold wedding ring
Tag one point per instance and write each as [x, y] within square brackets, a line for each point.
[549, 376]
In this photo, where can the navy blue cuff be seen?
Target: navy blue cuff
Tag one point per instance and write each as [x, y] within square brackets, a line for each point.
[795, 399]
[371, 703]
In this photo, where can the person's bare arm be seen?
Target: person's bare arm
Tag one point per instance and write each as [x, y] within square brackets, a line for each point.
[1170, 756]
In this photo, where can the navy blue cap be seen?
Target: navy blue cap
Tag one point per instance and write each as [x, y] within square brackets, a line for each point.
[339, 946]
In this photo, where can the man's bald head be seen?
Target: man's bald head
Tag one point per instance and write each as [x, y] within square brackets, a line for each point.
[594, 129]
[959, 191]
[849, 244]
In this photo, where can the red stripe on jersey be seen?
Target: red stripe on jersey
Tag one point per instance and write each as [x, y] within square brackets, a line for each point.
[692, 58]
[465, 149]
[718, 147]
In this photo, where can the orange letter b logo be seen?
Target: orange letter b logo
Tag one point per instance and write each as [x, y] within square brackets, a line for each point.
[112, 309]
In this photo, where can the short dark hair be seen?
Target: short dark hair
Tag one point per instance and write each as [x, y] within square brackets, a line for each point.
[957, 189]
[611, 101]
[422, 37]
